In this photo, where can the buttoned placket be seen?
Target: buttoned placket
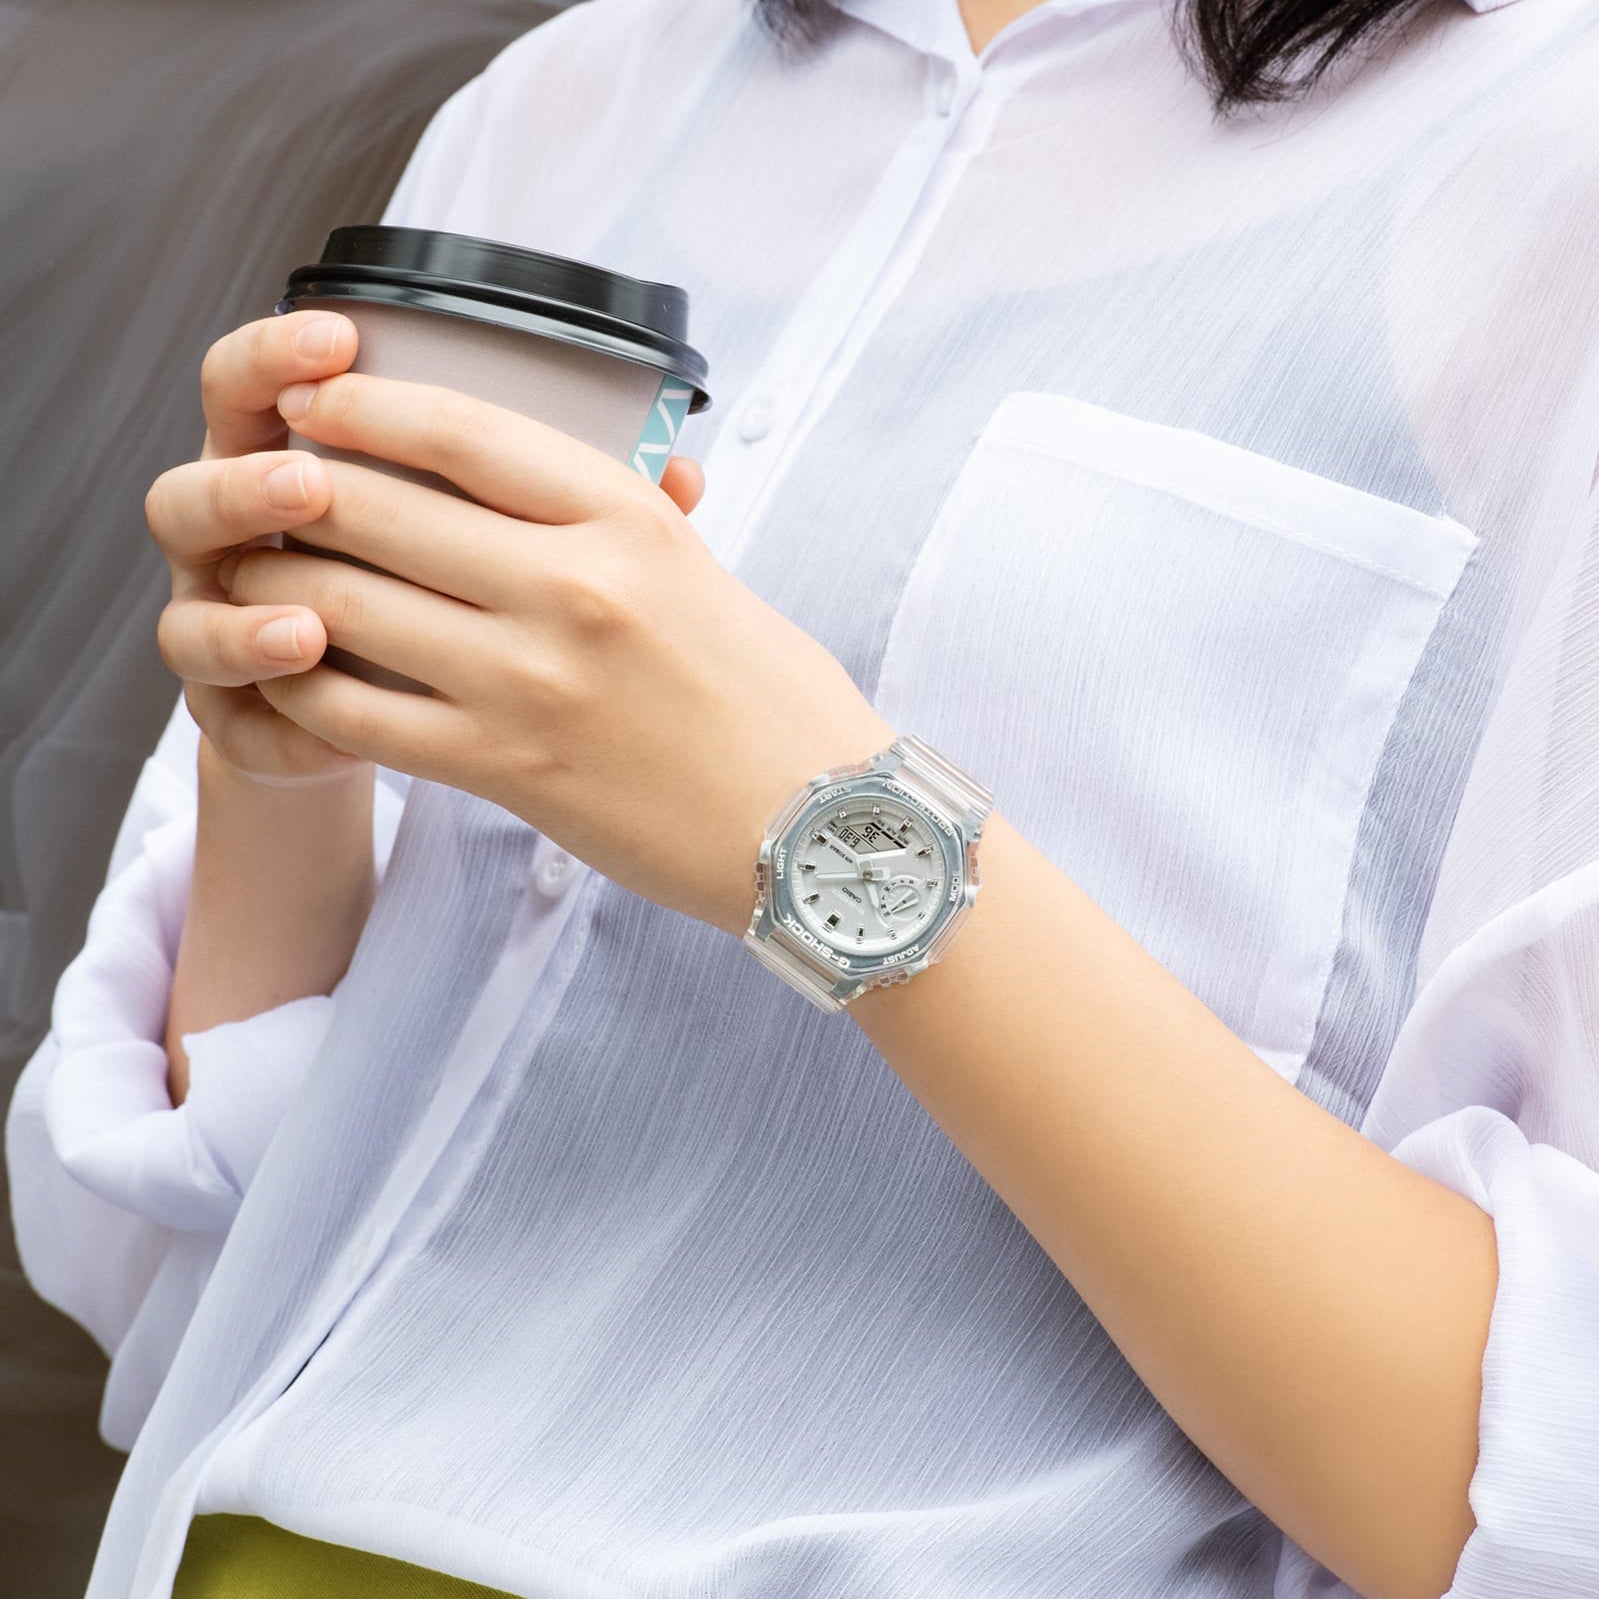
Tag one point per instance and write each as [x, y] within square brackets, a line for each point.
[528, 955]
[549, 897]
[555, 873]
[766, 419]
[847, 300]
[535, 952]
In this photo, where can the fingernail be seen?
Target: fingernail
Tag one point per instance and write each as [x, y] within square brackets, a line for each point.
[295, 400]
[280, 640]
[285, 486]
[316, 340]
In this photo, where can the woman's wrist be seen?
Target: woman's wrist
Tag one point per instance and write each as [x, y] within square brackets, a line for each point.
[284, 879]
[217, 771]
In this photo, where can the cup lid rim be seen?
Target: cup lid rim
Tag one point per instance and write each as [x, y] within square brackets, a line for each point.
[489, 280]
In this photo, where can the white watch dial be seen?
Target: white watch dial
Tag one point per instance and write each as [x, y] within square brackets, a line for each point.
[868, 874]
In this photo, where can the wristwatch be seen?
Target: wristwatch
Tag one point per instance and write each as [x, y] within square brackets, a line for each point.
[867, 873]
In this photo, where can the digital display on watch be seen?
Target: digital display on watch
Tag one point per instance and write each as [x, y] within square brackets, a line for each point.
[865, 835]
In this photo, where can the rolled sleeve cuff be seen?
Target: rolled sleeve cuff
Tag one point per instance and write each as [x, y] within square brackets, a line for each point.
[1535, 1491]
[242, 1078]
[108, 1111]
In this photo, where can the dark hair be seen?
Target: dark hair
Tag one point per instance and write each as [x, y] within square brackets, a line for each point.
[1243, 50]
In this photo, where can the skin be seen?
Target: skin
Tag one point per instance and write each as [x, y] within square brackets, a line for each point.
[985, 18]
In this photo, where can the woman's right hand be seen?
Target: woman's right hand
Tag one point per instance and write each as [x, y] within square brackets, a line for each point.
[244, 489]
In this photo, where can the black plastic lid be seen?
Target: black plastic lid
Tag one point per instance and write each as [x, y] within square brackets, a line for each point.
[499, 283]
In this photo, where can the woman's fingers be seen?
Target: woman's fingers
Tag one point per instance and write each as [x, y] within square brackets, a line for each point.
[383, 619]
[684, 482]
[212, 642]
[244, 371]
[506, 461]
[415, 733]
[254, 738]
[200, 510]
[422, 534]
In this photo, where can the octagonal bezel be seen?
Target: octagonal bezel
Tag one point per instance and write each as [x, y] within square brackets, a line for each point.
[839, 956]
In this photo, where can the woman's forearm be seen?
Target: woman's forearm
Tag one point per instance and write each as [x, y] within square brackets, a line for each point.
[1311, 1312]
[283, 884]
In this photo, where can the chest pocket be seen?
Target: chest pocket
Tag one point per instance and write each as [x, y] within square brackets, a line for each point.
[1176, 662]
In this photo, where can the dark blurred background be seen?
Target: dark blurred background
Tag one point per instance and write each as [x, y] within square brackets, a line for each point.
[163, 164]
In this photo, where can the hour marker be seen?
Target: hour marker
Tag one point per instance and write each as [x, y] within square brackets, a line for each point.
[877, 810]
[921, 852]
[904, 826]
[932, 882]
[843, 816]
[832, 921]
[818, 838]
[811, 899]
[807, 866]
[860, 932]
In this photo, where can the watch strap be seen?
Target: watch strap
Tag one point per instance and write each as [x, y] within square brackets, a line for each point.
[958, 792]
[796, 969]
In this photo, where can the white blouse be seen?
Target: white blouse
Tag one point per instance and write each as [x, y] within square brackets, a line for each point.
[1223, 494]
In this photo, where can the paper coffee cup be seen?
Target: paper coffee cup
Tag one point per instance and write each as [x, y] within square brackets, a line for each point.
[600, 355]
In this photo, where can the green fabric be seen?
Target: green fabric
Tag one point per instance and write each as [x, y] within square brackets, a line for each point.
[243, 1557]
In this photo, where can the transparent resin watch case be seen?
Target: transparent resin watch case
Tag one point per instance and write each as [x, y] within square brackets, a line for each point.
[865, 875]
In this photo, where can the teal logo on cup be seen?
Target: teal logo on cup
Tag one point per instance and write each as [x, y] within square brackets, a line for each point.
[659, 438]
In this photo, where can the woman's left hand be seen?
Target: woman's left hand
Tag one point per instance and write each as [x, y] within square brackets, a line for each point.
[597, 671]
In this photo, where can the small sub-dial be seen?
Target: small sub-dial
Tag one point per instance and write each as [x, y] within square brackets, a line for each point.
[900, 897]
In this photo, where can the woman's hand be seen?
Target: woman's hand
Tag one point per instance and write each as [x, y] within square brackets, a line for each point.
[243, 491]
[597, 671]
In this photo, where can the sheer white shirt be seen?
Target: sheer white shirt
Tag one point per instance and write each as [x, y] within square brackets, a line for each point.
[1222, 494]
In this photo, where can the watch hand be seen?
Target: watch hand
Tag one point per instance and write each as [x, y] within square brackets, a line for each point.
[868, 872]
[875, 857]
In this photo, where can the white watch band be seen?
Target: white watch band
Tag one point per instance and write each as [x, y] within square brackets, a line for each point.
[791, 963]
[961, 793]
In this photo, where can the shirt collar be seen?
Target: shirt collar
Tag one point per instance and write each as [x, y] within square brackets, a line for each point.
[935, 26]
[932, 25]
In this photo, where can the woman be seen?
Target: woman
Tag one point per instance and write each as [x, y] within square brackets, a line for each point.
[1217, 492]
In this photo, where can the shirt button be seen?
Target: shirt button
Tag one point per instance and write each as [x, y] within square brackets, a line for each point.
[755, 420]
[553, 872]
